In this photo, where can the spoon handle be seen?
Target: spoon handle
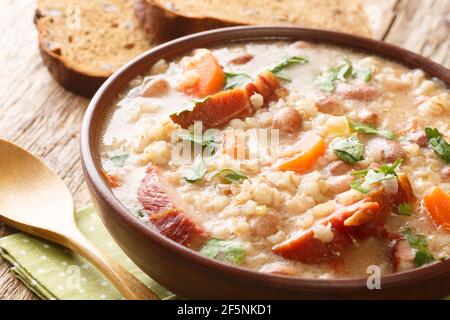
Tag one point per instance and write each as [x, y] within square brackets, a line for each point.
[127, 284]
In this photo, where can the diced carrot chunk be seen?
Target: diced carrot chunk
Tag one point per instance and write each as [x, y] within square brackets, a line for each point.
[216, 111]
[211, 76]
[437, 203]
[312, 148]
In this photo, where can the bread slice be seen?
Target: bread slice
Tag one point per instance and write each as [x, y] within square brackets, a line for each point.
[83, 42]
[169, 19]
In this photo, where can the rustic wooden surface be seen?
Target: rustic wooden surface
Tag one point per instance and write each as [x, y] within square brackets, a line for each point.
[44, 118]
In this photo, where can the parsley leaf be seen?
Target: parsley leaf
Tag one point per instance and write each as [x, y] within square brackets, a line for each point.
[200, 101]
[344, 71]
[225, 250]
[205, 140]
[357, 185]
[236, 80]
[438, 144]
[196, 172]
[191, 106]
[140, 213]
[349, 150]
[390, 169]
[287, 63]
[419, 244]
[228, 175]
[119, 160]
[404, 209]
[373, 176]
[366, 177]
[328, 79]
[362, 74]
[369, 129]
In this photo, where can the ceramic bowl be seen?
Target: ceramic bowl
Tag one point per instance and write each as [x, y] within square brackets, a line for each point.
[192, 275]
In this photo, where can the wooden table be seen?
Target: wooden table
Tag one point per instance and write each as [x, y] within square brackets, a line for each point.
[42, 117]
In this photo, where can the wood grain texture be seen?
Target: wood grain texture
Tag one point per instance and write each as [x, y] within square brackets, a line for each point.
[44, 118]
[424, 27]
[35, 113]
[381, 15]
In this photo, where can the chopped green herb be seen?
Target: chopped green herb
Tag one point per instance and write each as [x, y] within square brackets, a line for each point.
[349, 150]
[211, 140]
[139, 213]
[390, 169]
[367, 177]
[202, 100]
[196, 172]
[359, 173]
[229, 175]
[225, 250]
[186, 136]
[119, 160]
[191, 105]
[287, 63]
[404, 209]
[344, 71]
[438, 144]
[369, 129]
[385, 169]
[373, 176]
[362, 74]
[205, 140]
[328, 79]
[357, 185]
[419, 244]
[236, 80]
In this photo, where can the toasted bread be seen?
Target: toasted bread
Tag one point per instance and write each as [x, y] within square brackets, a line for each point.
[84, 42]
[169, 19]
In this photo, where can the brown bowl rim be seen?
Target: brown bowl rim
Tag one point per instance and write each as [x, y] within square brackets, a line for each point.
[238, 34]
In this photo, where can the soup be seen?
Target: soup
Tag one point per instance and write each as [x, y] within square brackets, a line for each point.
[288, 158]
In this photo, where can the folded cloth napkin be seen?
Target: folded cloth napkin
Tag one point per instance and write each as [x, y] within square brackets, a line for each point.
[54, 272]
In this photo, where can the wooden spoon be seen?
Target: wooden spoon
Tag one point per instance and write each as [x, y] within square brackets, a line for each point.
[35, 200]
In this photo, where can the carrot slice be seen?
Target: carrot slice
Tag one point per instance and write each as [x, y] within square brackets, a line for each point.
[438, 206]
[313, 147]
[210, 73]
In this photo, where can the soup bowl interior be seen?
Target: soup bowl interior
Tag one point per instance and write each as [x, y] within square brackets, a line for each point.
[188, 273]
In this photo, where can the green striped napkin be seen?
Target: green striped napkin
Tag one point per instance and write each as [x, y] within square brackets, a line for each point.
[54, 272]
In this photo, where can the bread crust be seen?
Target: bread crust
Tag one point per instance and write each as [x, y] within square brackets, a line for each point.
[79, 83]
[163, 25]
[72, 80]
